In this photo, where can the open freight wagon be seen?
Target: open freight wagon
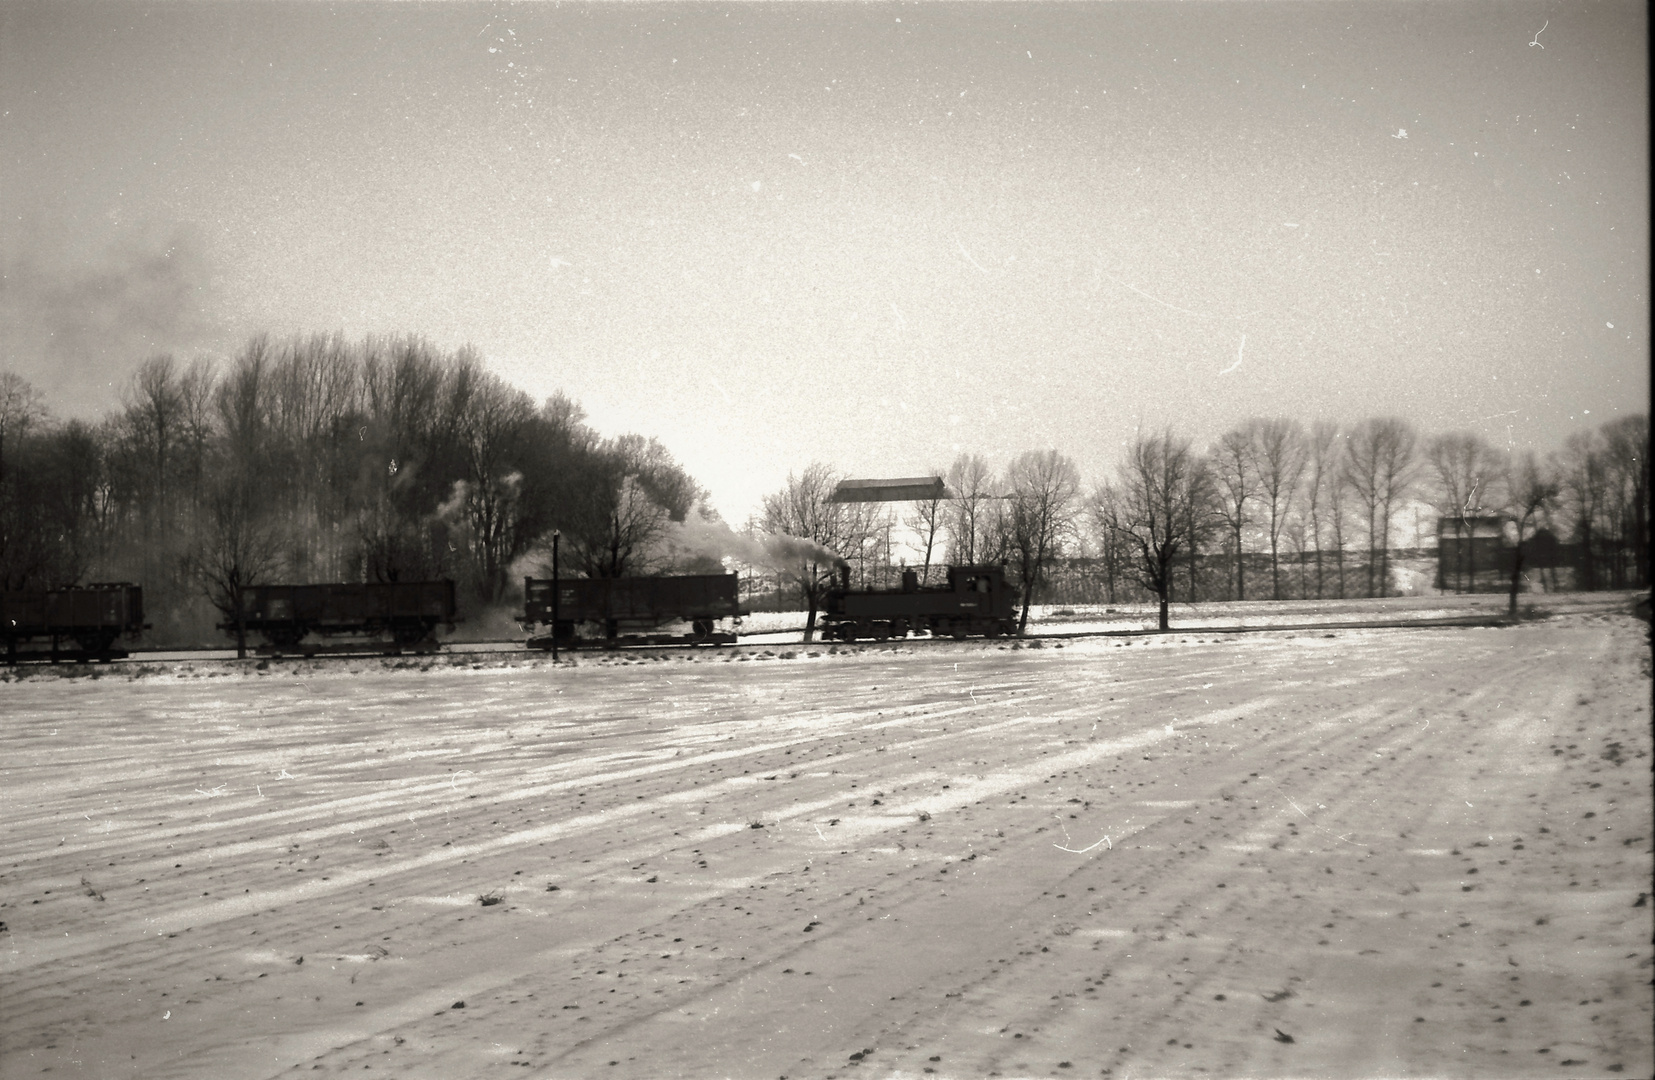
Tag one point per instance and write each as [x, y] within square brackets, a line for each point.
[72, 624]
[693, 609]
[406, 612]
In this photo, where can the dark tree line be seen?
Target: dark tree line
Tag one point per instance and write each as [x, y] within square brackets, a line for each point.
[319, 459]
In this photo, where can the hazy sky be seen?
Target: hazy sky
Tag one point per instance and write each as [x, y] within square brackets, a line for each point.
[868, 234]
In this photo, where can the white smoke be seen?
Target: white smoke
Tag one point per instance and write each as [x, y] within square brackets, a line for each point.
[699, 536]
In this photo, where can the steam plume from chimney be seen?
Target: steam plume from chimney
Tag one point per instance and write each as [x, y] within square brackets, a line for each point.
[779, 552]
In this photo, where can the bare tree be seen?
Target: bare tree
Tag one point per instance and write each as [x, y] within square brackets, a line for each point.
[634, 490]
[1530, 489]
[1379, 467]
[1626, 461]
[1103, 514]
[1583, 487]
[238, 546]
[1323, 486]
[154, 422]
[402, 476]
[1280, 454]
[1298, 538]
[1150, 510]
[927, 518]
[241, 533]
[21, 408]
[1235, 475]
[496, 423]
[1462, 464]
[1043, 487]
[970, 513]
[195, 396]
[52, 478]
[804, 510]
[21, 412]
[1202, 522]
[317, 419]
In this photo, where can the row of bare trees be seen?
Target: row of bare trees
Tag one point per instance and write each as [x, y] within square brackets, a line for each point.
[1311, 500]
[320, 459]
[316, 458]
[1318, 506]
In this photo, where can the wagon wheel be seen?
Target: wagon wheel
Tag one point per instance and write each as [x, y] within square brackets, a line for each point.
[899, 628]
[847, 632]
[702, 629]
[97, 642]
[412, 633]
[882, 632]
[994, 629]
[286, 636]
[960, 629]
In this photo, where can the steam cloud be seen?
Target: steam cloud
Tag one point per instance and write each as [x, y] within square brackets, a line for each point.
[75, 328]
[777, 551]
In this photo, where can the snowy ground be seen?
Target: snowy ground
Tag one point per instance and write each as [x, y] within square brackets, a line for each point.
[1418, 852]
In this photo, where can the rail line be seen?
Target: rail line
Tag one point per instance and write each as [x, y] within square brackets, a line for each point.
[449, 654]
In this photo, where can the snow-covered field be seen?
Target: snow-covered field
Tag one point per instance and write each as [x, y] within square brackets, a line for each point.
[1377, 852]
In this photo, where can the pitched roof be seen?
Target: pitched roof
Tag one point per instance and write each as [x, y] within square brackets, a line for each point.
[904, 489]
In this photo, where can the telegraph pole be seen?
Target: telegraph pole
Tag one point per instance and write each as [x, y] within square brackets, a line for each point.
[556, 534]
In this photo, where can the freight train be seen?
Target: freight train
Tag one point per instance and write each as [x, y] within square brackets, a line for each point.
[975, 600]
[406, 612]
[92, 617]
[688, 609]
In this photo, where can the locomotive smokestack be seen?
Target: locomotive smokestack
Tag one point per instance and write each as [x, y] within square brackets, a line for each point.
[844, 576]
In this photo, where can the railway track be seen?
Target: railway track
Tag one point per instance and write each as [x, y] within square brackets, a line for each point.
[458, 651]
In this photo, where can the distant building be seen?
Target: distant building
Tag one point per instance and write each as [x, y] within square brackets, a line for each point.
[1470, 546]
[1482, 548]
[905, 489]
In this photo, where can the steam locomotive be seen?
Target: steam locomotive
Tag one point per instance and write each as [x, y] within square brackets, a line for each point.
[975, 600]
[92, 617]
[408, 612]
[681, 610]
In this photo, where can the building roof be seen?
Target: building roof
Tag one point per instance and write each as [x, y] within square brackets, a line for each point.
[903, 489]
[1474, 524]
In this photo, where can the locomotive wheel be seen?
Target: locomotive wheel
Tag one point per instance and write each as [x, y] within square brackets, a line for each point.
[847, 633]
[702, 629]
[960, 629]
[882, 632]
[899, 628]
[994, 629]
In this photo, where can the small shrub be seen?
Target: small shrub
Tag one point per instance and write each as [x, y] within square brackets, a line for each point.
[490, 899]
